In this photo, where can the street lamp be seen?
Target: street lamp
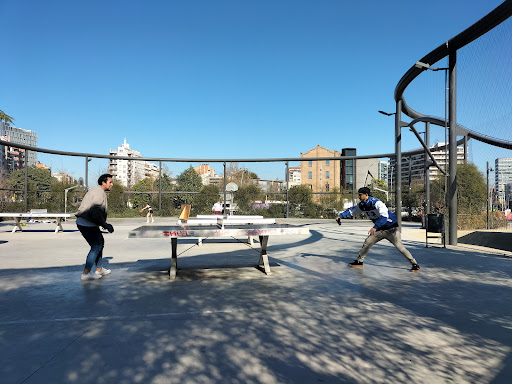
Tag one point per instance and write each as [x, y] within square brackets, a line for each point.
[451, 150]
[66, 197]
[387, 113]
[87, 160]
[398, 159]
[426, 67]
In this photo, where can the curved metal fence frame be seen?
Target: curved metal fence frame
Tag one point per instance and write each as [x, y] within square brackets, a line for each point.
[448, 49]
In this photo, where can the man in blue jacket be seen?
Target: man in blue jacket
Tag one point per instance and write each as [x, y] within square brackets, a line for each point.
[385, 227]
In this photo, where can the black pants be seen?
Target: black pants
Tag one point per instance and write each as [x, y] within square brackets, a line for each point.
[94, 238]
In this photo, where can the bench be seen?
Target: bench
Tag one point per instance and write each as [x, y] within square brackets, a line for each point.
[36, 213]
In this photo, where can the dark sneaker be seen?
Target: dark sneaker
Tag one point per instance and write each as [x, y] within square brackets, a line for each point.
[415, 268]
[356, 264]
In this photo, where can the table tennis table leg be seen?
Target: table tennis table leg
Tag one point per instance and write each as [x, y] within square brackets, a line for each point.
[59, 225]
[17, 225]
[263, 255]
[174, 258]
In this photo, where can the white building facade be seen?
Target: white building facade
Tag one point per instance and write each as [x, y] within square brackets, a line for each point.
[294, 176]
[130, 172]
[12, 158]
[413, 167]
[503, 181]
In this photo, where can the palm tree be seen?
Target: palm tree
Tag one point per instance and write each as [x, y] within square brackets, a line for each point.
[5, 117]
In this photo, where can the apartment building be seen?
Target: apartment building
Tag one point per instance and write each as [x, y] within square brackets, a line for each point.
[503, 181]
[12, 158]
[294, 176]
[130, 172]
[413, 167]
[206, 172]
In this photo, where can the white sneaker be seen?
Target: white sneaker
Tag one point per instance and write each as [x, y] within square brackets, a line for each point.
[103, 272]
[152, 221]
[90, 276]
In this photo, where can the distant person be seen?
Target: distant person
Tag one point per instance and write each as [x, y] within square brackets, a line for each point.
[91, 215]
[217, 208]
[150, 213]
[386, 227]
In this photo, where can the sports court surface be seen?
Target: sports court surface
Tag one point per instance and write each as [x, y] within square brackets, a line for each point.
[312, 320]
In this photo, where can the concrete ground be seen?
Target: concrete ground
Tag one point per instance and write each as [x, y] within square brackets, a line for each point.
[313, 320]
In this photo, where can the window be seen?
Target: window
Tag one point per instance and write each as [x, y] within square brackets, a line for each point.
[310, 163]
[327, 187]
[326, 162]
[326, 174]
[310, 175]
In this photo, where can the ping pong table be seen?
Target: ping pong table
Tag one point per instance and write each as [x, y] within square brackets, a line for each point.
[18, 216]
[174, 232]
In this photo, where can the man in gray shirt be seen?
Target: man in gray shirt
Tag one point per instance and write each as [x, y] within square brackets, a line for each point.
[91, 215]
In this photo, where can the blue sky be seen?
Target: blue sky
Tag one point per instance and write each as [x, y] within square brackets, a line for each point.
[217, 79]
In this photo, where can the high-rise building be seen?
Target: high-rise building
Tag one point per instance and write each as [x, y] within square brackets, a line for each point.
[503, 181]
[12, 158]
[383, 170]
[130, 172]
[413, 167]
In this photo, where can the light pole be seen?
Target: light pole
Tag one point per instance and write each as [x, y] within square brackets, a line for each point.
[488, 170]
[287, 189]
[398, 160]
[87, 172]
[66, 197]
[450, 140]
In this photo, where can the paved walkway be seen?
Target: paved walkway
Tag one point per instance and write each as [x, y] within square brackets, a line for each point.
[313, 320]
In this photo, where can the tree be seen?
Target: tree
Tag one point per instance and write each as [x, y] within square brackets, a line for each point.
[301, 202]
[245, 197]
[141, 199]
[471, 189]
[300, 194]
[188, 181]
[38, 179]
[117, 199]
[240, 176]
[5, 117]
[168, 207]
[378, 193]
[204, 200]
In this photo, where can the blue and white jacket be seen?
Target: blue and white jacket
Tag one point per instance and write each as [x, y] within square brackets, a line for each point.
[376, 211]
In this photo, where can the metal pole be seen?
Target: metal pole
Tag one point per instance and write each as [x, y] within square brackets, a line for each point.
[487, 196]
[427, 170]
[86, 173]
[160, 188]
[452, 190]
[287, 189]
[398, 167]
[354, 182]
[225, 207]
[25, 192]
[409, 208]
[465, 149]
